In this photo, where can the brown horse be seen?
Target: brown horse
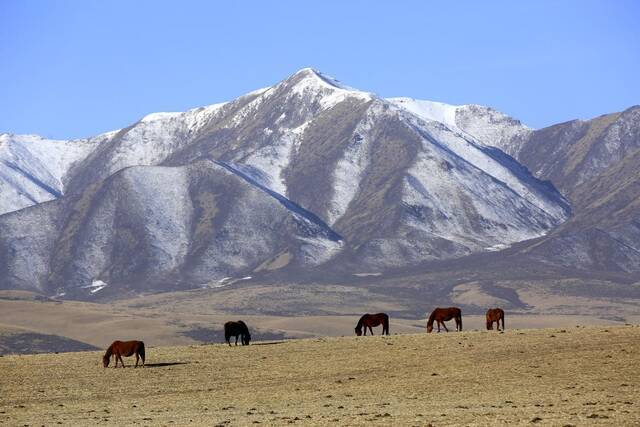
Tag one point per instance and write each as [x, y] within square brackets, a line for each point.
[442, 315]
[126, 349]
[495, 315]
[237, 329]
[369, 320]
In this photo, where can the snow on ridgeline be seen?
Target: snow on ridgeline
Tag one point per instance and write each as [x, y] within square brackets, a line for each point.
[481, 124]
[429, 110]
[328, 90]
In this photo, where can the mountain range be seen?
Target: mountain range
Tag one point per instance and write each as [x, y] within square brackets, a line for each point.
[310, 180]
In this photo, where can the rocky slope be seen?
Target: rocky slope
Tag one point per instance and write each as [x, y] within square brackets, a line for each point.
[595, 164]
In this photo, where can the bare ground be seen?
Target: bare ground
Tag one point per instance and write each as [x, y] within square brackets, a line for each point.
[573, 376]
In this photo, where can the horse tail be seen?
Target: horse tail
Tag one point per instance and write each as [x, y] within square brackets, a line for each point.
[460, 318]
[502, 320]
[141, 351]
[386, 324]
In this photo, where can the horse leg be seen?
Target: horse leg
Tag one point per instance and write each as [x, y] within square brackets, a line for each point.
[444, 325]
[370, 330]
[137, 358]
[236, 340]
[121, 361]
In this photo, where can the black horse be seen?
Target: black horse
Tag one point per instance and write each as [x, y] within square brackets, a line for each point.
[237, 329]
[369, 320]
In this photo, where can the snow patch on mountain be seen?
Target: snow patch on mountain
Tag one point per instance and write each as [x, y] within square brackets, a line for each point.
[96, 286]
[429, 110]
[32, 168]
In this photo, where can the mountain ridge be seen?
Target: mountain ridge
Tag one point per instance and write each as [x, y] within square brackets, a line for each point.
[178, 200]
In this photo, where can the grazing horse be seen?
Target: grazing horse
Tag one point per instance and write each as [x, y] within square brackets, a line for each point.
[237, 329]
[126, 349]
[442, 315]
[495, 315]
[369, 320]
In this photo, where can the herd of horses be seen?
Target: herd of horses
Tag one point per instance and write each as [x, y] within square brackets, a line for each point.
[240, 330]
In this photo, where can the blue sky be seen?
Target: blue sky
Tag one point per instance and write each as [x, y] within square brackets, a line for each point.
[73, 69]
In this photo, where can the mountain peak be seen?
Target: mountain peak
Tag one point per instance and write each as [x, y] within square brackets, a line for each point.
[313, 76]
[307, 71]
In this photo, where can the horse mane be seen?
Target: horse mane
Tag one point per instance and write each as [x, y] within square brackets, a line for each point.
[361, 321]
[245, 328]
[109, 352]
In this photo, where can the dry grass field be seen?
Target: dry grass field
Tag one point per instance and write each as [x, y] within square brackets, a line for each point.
[560, 377]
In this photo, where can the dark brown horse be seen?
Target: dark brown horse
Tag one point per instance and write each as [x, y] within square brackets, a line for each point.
[442, 315]
[495, 315]
[369, 320]
[237, 329]
[124, 348]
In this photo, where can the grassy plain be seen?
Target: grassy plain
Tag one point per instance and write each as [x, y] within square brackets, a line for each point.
[561, 377]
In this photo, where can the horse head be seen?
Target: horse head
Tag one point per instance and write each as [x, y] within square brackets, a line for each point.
[429, 328]
[246, 338]
[358, 331]
[105, 360]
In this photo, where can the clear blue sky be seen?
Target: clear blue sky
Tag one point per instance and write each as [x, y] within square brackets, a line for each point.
[78, 68]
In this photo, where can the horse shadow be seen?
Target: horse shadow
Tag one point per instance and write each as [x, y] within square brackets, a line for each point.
[269, 343]
[163, 364]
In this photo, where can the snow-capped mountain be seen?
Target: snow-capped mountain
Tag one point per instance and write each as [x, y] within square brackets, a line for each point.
[296, 175]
